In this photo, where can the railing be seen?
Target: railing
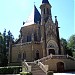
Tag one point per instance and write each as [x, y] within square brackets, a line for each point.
[26, 67]
[45, 58]
[53, 57]
[43, 67]
[59, 56]
[56, 57]
[69, 57]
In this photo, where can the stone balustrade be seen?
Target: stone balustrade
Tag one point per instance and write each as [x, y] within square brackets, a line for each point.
[56, 57]
[72, 58]
[43, 67]
[26, 67]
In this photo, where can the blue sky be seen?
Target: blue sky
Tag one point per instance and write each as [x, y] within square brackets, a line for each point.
[14, 12]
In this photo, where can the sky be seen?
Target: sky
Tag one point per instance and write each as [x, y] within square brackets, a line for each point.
[14, 12]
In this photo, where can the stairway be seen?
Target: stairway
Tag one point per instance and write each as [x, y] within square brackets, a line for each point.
[36, 70]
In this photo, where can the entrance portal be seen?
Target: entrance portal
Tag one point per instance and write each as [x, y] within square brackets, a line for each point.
[60, 66]
[51, 51]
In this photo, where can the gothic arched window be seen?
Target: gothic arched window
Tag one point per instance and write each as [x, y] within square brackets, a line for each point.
[29, 38]
[19, 56]
[37, 55]
[47, 11]
[44, 10]
[24, 55]
[35, 36]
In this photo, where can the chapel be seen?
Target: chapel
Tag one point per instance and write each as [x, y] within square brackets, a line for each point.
[40, 40]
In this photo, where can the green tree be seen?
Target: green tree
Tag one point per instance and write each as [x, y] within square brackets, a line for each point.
[3, 58]
[67, 50]
[5, 42]
[64, 43]
[71, 43]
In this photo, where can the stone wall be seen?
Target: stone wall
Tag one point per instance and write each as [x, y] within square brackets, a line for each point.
[30, 50]
[68, 64]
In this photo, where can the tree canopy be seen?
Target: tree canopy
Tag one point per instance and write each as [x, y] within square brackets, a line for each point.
[71, 42]
[4, 46]
[69, 46]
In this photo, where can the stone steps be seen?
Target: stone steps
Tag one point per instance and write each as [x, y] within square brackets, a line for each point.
[36, 70]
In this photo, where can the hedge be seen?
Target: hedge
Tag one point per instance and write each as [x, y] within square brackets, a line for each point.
[10, 70]
[25, 73]
[50, 73]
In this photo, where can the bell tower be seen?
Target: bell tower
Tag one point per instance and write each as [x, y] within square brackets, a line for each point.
[45, 11]
[45, 14]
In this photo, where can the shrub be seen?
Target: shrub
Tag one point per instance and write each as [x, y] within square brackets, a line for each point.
[10, 70]
[25, 73]
[50, 73]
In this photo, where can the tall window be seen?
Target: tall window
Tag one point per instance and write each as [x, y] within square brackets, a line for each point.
[44, 10]
[29, 38]
[19, 56]
[47, 11]
[24, 55]
[35, 36]
[37, 55]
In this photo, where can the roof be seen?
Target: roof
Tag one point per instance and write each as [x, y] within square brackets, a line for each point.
[45, 1]
[34, 17]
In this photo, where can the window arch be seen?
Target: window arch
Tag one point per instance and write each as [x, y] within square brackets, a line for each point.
[52, 47]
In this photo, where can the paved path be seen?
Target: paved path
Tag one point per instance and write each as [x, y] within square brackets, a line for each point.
[64, 74]
[53, 74]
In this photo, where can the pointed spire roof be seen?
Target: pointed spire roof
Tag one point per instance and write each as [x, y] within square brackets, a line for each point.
[45, 1]
[34, 17]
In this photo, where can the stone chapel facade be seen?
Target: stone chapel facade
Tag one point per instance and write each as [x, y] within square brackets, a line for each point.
[39, 37]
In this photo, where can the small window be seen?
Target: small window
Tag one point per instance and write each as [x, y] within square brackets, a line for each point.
[47, 11]
[44, 10]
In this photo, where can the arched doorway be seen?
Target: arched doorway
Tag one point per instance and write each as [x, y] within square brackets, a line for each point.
[52, 47]
[60, 67]
[51, 51]
[37, 55]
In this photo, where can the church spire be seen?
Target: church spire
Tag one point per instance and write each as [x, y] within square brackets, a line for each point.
[45, 1]
[57, 31]
[33, 18]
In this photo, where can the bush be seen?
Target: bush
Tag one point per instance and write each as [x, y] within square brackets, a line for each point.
[50, 73]
[25, 73]
[10, 70]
